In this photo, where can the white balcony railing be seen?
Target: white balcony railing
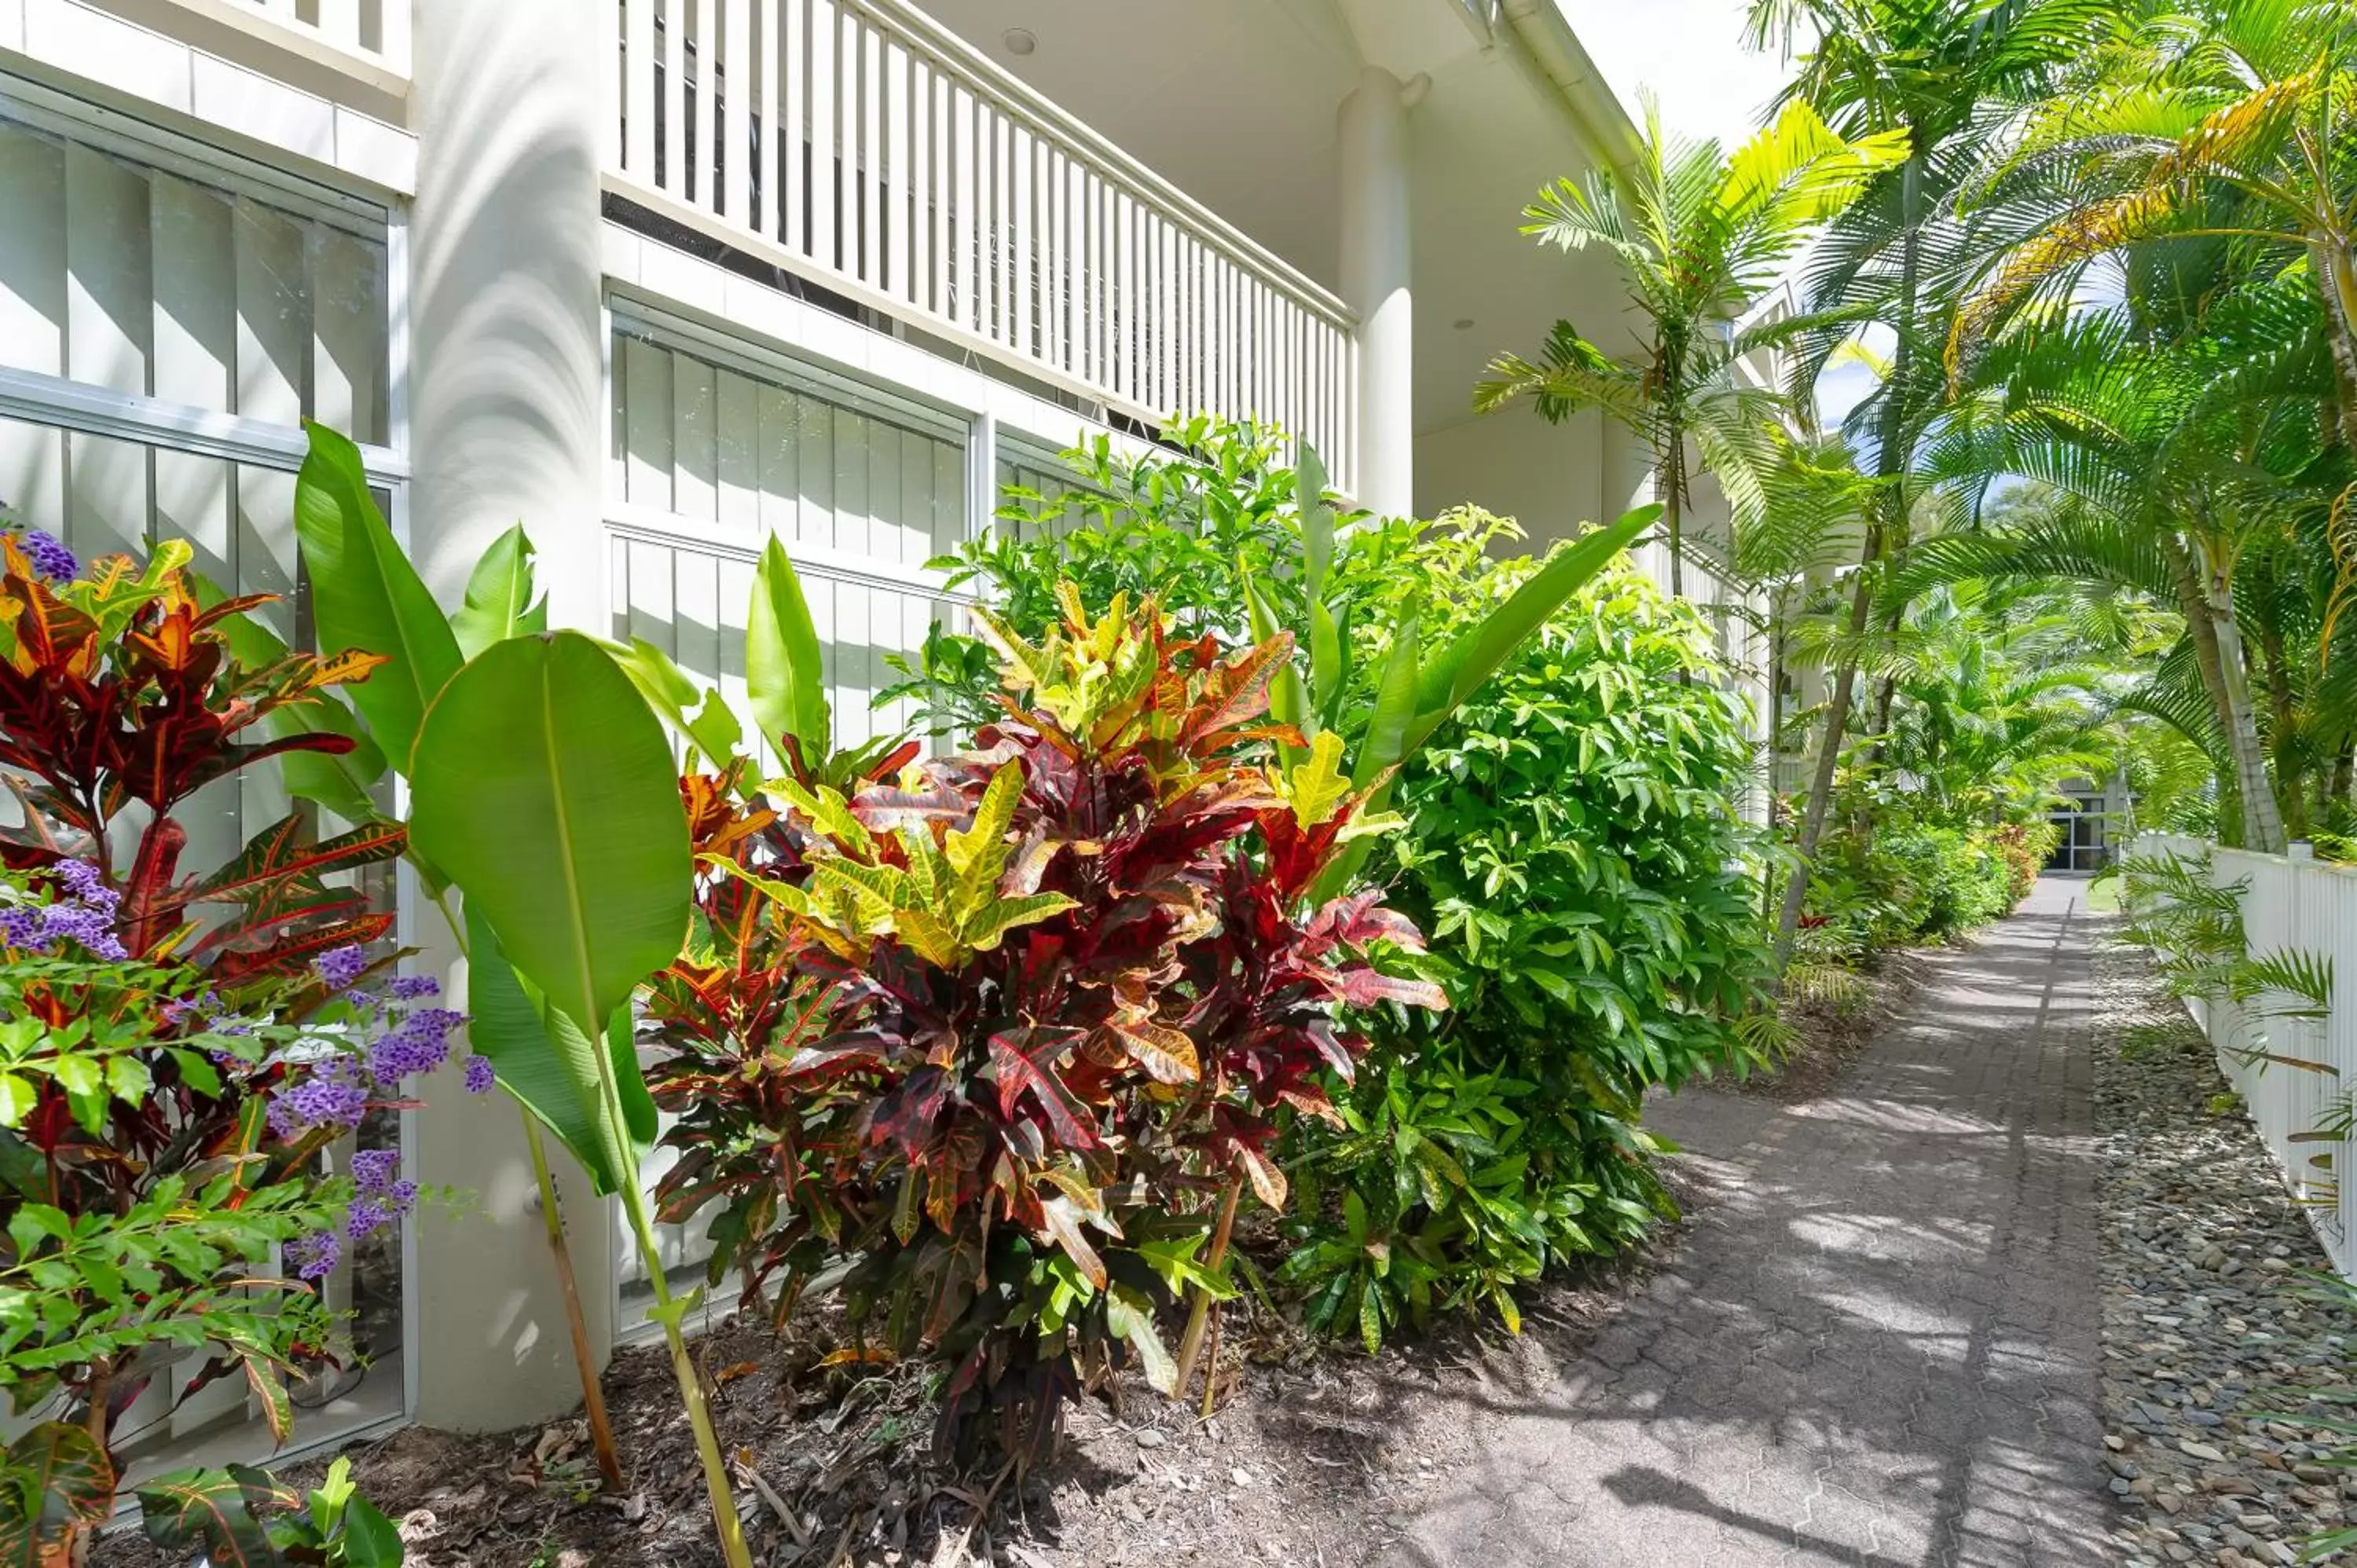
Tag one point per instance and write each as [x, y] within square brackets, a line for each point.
[859, 143]
[369, 35]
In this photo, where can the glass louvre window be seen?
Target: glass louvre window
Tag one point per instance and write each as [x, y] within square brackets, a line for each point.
[164, 284]
[717, 457]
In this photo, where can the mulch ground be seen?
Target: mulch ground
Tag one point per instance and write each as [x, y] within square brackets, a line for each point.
[1315, 1458]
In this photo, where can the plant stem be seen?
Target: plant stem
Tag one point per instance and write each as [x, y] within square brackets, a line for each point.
[1200, 1315]
[724, 1521]
[592, 1397]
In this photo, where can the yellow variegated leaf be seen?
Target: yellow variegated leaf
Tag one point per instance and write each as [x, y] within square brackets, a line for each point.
[1317, 787]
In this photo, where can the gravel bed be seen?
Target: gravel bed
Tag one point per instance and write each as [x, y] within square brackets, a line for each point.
[2212, 1329]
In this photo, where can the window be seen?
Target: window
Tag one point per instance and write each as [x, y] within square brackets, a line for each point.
[714, 454]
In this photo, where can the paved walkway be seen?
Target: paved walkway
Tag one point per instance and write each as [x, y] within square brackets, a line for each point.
[1880, 1348]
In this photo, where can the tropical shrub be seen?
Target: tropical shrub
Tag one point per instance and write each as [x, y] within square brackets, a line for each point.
[1008, 1030]
[244, 1515]
[167, 1083]
[1574, 850]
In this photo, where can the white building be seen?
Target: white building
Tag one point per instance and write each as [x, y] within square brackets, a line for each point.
[662, 278]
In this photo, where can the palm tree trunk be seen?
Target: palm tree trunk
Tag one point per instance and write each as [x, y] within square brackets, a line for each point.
[2336, 280]
[1891, 458]
[1821, 785]
[2209, 608]
[1669, 488]
[2281, 722]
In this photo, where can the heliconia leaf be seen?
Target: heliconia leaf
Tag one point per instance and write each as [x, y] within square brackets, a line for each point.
[366, 594]
[549, 1072]
[785, 675]
[1288, 699]
[500, 596]
[1316, 519]
[1460, 669]
[543, 789]
[1385, 742]
[688, 706]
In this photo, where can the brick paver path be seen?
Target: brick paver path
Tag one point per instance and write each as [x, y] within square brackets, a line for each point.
[1879, 1348]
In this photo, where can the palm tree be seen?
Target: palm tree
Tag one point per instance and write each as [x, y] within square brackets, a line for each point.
[1699, 236]
[2239, 125]
[1894, 260]
[2182, 456]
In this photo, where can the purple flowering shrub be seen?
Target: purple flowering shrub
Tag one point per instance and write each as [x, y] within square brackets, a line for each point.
[133, 1094]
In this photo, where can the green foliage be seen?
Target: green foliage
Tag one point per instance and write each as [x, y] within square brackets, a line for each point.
[544, 789]
[1574, 850]
[56, 1482]
[242, 1517]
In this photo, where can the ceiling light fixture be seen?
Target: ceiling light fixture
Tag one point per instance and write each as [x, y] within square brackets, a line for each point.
[1018, 41]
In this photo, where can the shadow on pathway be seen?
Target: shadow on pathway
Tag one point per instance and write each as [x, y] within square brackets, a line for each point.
[1879, 1348]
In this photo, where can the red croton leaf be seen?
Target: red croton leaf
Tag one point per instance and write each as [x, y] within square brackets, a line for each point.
[1026, 1063]
[1366, 987]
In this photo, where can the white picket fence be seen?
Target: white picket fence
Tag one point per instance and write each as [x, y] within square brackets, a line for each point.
[2305, 905]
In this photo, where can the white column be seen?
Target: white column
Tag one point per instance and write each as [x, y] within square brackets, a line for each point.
[1376, 246]
[506, 419]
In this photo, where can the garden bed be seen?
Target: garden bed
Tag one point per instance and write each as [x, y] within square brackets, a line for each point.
[2215, 1340]
[1317, 1455]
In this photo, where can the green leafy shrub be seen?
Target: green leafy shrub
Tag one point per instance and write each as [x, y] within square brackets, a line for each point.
[1575, 853]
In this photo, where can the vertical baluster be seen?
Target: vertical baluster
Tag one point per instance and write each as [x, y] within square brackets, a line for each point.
[736, 88]
[392, 29]
[793, 135]
[964, 308]
[1052, 163]
[1018, 230]
[923, 180]
[1093, 286]
[872, 150]
[674, 97]
[1076, 265]
[767, 212]
[638, 86]
[998, 236]
[896, 219]
[339, 23]
[823, 69]
[703, 44]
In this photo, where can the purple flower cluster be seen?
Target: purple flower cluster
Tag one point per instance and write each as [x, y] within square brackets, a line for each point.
[379, 1197]
[418, 1043]
[84, 915]
[48, 555]
[341, 966]
[331, 1097]
[315, 1256]
[480, 1076]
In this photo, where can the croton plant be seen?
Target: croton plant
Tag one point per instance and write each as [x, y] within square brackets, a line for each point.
[1001, 1028]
